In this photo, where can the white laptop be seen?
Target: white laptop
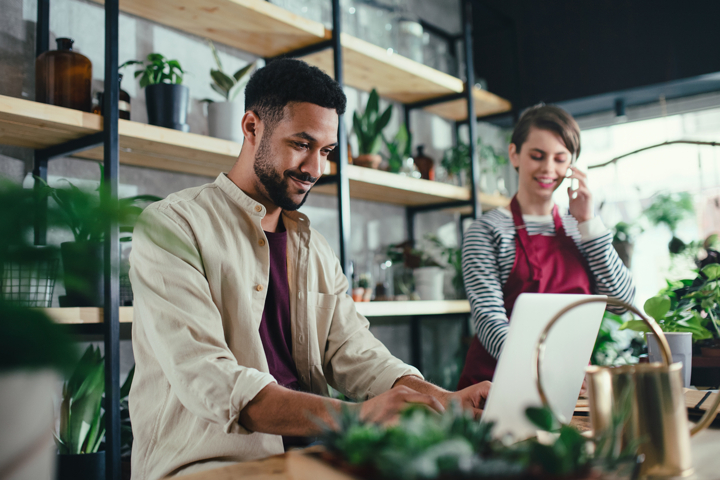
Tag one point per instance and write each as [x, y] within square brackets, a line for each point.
[567, 353]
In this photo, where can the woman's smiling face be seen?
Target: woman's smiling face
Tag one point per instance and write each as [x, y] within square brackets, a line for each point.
[542, 163]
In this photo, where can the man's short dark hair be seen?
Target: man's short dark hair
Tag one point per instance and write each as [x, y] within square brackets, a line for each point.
[288, 80]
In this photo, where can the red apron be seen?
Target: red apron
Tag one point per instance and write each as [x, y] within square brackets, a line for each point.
[542, 265]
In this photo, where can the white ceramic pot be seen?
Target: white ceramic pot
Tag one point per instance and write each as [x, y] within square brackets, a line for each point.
[225, 119]
[681, 348]
[26, 420]
[429, 283]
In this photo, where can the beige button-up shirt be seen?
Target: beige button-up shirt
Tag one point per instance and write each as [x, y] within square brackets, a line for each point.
[199, 268]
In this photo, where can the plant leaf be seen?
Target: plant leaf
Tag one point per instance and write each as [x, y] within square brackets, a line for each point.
[240, 74]
[215, 55]
[542, 418]
[222, 80]
[635, 326]
[712, 271]
[657, 307]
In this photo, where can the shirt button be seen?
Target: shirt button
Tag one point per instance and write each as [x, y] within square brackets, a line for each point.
[258, 208]
[259, 288]
[301, 338]
[261, 242]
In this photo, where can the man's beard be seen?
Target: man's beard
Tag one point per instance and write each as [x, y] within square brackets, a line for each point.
[277, 184]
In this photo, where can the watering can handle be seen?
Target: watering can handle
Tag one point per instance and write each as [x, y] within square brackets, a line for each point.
[709, 415]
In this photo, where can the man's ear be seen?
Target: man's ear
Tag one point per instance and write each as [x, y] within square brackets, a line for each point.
[514, 156]
[252, 127]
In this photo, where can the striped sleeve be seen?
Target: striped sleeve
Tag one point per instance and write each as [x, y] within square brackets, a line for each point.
[481, 272]
[612, 278]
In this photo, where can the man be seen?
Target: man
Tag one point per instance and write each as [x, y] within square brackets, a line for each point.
[241, 313]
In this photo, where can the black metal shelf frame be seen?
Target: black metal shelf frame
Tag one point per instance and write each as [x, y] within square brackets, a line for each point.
[109, 138]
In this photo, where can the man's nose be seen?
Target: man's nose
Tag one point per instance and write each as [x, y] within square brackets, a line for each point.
[314, 164]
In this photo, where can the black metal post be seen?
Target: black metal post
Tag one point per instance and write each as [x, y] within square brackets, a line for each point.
[343, 184]
[472, 124]
[410, 224]
[42, 27]
[40, 162]
[406, 117]
[112, 245]
[416, 342]
[40, 171]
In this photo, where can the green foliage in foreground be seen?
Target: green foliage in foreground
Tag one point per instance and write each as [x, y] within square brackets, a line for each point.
[691, 305]
[426, 445]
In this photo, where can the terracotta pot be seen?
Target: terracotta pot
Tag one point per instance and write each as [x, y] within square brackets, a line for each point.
[368, 160]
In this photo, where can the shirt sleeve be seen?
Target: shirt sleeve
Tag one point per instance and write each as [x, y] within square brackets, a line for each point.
[483, 285]
[356, 363]
[174, 310]
[612, 278]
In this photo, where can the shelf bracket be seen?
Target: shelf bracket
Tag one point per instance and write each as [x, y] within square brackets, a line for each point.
[71, 147]
[304, 51]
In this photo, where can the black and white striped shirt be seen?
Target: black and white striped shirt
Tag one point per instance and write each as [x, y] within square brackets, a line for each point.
[488, 256]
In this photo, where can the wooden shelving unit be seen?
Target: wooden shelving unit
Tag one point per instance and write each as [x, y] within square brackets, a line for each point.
[36, 125]
[264, 29]
[93, 315]
[253, 26]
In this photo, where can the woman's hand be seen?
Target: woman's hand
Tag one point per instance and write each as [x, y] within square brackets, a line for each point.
[581, 206]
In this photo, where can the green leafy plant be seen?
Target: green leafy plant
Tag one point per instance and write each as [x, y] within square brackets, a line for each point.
[126, 434]
[29, 340]
[453, 444]
[81, 422]
[157, 70]
[686, 306]
[626, 232]
[608, 349]
[412, 257]
[369, 125]
[400, 148]
[86, 216]
[453, 257]
[228, 86]
[457, 158]
[671, 209]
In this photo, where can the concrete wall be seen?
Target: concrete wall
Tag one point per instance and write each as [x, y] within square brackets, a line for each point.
[374, 225]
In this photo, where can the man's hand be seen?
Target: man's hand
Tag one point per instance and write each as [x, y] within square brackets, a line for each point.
[386, 407]
[472, 398]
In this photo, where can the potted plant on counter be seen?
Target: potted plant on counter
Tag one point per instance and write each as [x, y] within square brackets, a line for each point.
[86, 217]
[34, 351]
[224, 118]
[368, 128]
[166, 99]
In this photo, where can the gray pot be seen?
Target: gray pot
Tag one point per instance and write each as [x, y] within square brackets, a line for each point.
[225, 120]
[167, 105]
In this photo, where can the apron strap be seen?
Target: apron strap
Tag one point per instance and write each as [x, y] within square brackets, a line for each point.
[523, 240]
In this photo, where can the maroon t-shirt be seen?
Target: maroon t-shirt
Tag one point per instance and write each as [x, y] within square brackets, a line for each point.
[275, 329]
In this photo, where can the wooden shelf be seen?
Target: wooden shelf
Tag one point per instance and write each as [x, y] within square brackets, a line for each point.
[84, 315]
[92, 315]
[254, 26]
[266, 30]
[367, 66]
[394, 309]
[36, 125]
[386, 187]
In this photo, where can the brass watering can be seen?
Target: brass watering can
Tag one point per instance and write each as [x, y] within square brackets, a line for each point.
[653, 395]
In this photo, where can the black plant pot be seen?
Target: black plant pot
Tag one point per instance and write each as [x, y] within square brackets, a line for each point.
[83, 274]
[85, 466]
[167, 105]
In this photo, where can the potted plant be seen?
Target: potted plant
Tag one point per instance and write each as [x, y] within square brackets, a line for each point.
[686, 308]
[87, 217]
[399, 149]
[670, 209]
[368, 128]
[624, 240]
[456, 162]
[166, 99]
[224, 118]
[427, 274]
[33, 352]
[453, 259]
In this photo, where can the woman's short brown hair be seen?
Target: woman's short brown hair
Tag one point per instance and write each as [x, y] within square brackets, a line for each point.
[553, 119]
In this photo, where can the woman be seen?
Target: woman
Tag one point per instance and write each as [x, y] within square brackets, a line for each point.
[530, 246]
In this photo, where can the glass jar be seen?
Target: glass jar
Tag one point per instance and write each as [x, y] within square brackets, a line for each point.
[123, 103]
[410, 39]
[64, 77]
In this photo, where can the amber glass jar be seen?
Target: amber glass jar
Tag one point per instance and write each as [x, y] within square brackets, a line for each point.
[64, 77]
[425, 164]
